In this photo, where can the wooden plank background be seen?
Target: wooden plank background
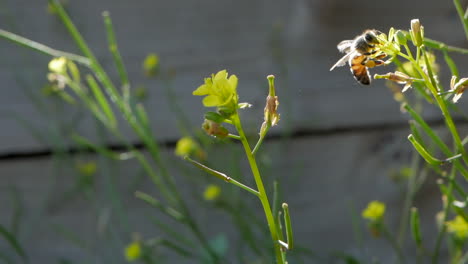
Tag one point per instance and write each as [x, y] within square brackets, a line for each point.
[353, 136]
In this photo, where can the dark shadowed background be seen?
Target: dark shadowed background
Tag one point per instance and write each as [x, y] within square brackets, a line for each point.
[335, 149]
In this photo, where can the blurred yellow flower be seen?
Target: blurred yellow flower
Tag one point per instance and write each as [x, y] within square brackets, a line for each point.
[185, 146]
[374, 211]
[133, 251]
[211, 192]
[58, 65]
[87, 168]
[151, 64]
[458, 226]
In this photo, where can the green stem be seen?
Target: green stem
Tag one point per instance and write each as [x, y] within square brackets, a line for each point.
[220, 175]
[261, 189]
[411, 190]
[443, 107]
[461, 14]
[435, 44]
[144, 134]
[115, 52]
[233, 136]
[43, 48]
[288, 226]
[393, 243]
[260, 139]
[442, 229]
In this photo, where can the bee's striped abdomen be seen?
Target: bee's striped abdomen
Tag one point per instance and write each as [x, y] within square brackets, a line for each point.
[360, 72]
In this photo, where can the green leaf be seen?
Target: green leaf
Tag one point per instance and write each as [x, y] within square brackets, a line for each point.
[215, 117]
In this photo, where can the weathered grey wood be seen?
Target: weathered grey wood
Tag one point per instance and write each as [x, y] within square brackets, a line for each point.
[321, 178]
[198, 38]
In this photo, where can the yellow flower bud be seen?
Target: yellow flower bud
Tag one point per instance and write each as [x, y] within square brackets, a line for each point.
[133, 251]
[417, 33]
[58, 65]
[211, 192]
[375, 211]
[458, 227]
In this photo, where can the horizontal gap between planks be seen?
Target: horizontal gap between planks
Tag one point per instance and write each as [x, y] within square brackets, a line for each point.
[297, 134]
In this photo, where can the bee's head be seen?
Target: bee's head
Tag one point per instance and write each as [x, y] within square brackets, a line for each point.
[371, 36]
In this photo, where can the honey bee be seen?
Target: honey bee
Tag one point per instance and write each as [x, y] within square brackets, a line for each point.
[361, 53]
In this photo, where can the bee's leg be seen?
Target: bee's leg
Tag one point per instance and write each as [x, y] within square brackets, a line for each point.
[381, 56]
[370, 53]
[372, 62]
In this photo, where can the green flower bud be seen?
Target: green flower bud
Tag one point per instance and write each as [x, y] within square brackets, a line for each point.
[417, 33]
[214, 129]
[400, 37]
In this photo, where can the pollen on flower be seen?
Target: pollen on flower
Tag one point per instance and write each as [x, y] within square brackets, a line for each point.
[374, 211]
[458, 226]
[211, 192]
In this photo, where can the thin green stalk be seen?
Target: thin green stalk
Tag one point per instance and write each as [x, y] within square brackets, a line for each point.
[113, 48]
[221, 176]
[436, 139]
[443, 107]
[260, 139]
[288, 226]
[130, 118]
[394, 244]
[409, 196]
[461, 14]
[261, 189]
[22, 41]
[233, 136]
[435, 44]
[442, 229]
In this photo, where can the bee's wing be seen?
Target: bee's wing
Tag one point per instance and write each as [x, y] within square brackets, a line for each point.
[343, 60]
[345, 46]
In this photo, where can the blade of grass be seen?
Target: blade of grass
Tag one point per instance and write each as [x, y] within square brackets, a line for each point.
[11, 239]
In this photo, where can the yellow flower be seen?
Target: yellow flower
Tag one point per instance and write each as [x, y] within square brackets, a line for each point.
[220, 91]
[133, 251]
[58, 65]
[458, 226]
[211, 192]
[87, 168]
[151, 64]
[186, 146]
[374, 211]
